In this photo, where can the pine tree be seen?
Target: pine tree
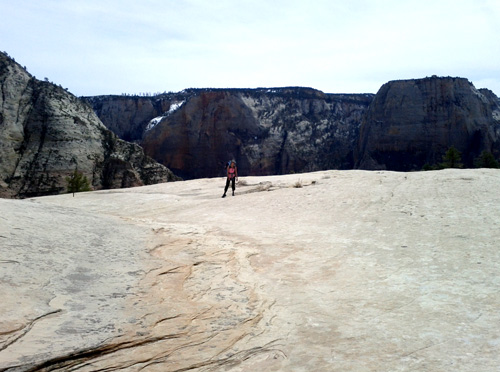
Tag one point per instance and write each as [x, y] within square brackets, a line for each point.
[452, 158]
[77, 182]
[486, 160]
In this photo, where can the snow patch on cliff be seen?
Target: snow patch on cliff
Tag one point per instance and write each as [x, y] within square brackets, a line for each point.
[173, 107]
[154, 122]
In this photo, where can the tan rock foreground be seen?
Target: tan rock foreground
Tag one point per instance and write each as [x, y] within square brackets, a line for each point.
[352, 271]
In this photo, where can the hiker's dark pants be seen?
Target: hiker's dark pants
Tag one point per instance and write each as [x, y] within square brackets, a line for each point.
[233, 186]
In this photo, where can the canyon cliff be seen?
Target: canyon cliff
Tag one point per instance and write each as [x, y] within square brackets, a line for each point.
[46, 133]
[267, 131]
[413, 122]
[406, 125]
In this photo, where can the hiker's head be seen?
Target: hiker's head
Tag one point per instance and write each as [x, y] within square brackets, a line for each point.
[233, 163]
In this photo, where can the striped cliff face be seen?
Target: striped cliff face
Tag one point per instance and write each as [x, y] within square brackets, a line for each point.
[405, 126]
[46, 133]
[268, 131]
[413, 122]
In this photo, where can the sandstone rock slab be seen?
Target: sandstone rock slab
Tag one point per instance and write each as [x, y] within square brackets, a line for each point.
[334, 270]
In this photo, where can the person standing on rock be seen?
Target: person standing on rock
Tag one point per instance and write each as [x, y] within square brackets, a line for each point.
[232, 177]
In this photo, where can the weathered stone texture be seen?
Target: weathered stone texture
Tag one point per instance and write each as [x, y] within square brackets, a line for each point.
[46, 133]
[351, 271]
[128, 116]
[407, 124]
[413, 122]
[267, 131]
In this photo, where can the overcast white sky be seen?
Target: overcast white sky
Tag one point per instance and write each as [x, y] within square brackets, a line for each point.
[97, 47]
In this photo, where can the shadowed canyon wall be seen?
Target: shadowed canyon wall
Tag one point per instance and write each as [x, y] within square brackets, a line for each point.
[267, 131]
[407, 124]
[413, 122]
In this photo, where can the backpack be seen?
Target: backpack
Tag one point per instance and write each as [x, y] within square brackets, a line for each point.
[229, 163]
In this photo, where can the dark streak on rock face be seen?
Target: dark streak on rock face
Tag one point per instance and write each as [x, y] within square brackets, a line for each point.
[413, 122]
